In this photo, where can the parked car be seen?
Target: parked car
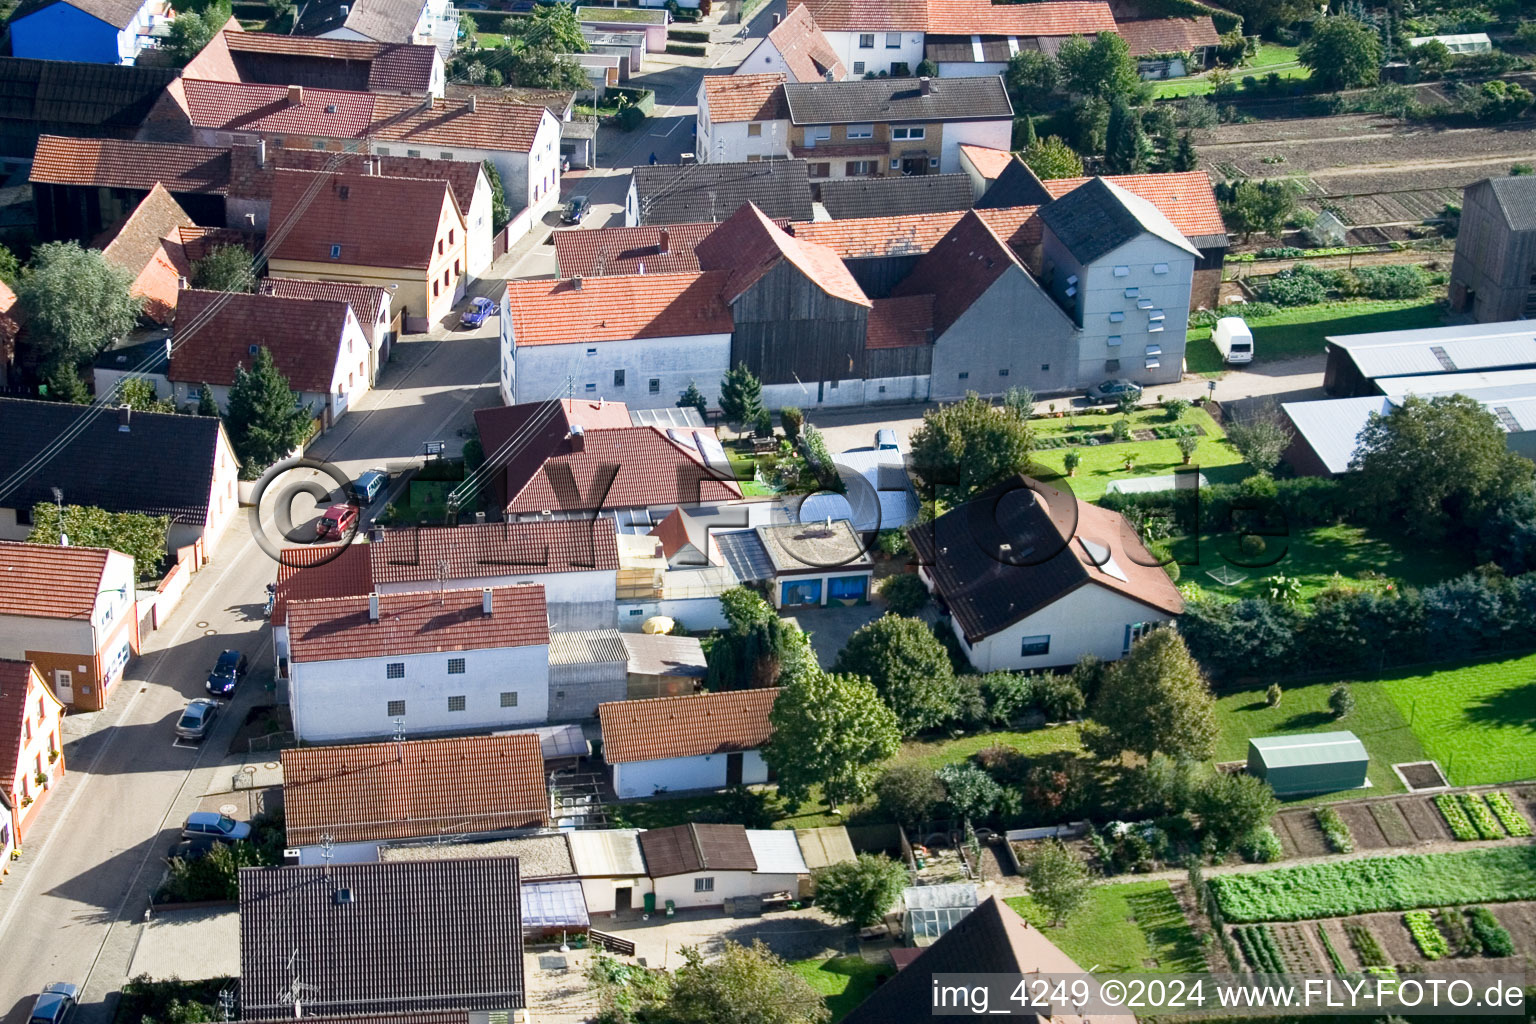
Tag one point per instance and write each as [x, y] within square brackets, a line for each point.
[885, 440]
[227, 673]
[576, 209]
[338, 519]
[56, 1003]
[216, 826]
[367, 487]
[197, 718]
[480, 307]
[1111, 390]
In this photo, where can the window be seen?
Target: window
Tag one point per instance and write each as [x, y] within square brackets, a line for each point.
[703, 885]
[455, 268]
[1155, 314]
[859, 168]
[591, 351]
[933, 161]
[1002, 373]
[383, 151]
[618, 378]
[893, 40]
[1033, 646]
[909, 133]
[450, 236]
[1111, 365]
[318, 144]
[509, 698]
[1135, 631]
[965, 375]
[455, 666]
[335, 252]
[1045, 367]
[818, 133]
[823, 170]
[592, 388]
[1122, 271]
[1117, 318]
[456, 703]
[858, 67]
[654, 385]
[1113, 340]
[755, 130]
[435, 288]
[1143, 303]
[899, 69]
[895, 164]
[1159, 268]
[413, 152]
[439, 246]
[866, 40]
[444, 155]
[394, 670]
[861, 131]
[754, 158]
[350, 146]
[396, 709]
[1131, 293]
[1153, 362]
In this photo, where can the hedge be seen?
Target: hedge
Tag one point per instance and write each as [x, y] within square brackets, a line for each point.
[644, 99]
[686, 49]
[1378, 884]
[688, 35]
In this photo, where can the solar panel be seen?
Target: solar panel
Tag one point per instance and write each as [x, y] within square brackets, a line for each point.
[1507, 419]
[1446, 363]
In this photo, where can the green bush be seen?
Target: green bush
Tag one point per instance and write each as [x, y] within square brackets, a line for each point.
[1379, 884]
[1367, 948]
[1301, 285]
[1455, 817]
[1335, 831]
[1425, 935]
[686, 49]
[1261, 846]
[1493, 936]
[1509, 816]
[631, 117]
[688, 35]
[1393, 282]
[905, 594]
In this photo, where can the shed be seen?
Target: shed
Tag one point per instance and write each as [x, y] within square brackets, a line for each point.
[1319, 762]
[823, 847]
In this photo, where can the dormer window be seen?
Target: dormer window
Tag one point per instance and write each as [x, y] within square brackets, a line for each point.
[335, 251]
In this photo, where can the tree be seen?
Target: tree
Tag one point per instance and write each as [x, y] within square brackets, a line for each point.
[861, 892]
[1155, 699]
[1090, 122]
[1032, 79]
[758, 648]
[544, 69]
[1127, 150]
[908, 792]
[1263, 17]
[1187, 445]
[1182, 157]
[693, 398]
[1341, 53]
[76, 304]
[831, 730]
[905, 594]
[206, 405]
[226, 269]
[10, 267]
[1231, 805]
[968, 446]
[1436, 464]
[908, 666]
[1257, 207]
[1103, 69]
[138, 393]
[190, 31]
[927, 69]
[1058, 879]
[1051, 158]
[741, 395]
[1341, 701]
[501, 213]
[969, 790]
[791, 419]
[1260, 438]
[552, 28]
[1024, 132]
[265, 419]
[141, 536]
[742, 985]
[1431, 56]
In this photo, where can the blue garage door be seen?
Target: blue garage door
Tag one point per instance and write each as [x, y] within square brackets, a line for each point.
[848, 588]
[801, 592]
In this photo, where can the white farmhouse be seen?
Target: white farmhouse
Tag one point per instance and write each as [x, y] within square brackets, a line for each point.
[795, 46]
[699, 741]
[704, 865]
[455, 661]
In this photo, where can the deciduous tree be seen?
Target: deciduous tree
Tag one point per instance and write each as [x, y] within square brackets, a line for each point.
[1153, 700]
[1058, 879]
[861, 892]
[138, 393]
[969, 790]
[1341, 53]
[833, 731]
[226, 269]
[908, 792]
[742, 985]
[1050, 158]
[86, 526]
[908, 666]
[76, 304]
[968, 446]
[1231, 805]
[1260, 437]
[1102, 68]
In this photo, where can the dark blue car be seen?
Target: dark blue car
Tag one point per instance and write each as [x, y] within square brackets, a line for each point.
[478, 310]
[227, 672]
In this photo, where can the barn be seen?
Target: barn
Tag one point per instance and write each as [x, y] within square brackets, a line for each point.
[1319, 762]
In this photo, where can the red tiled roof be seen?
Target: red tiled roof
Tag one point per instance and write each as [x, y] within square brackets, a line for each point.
[365, 299]
[958, 270]
[601, 414]
[617, 308]
[805, 49]
[613, 251]
[879, 236]
[257, 107]
[1016, 225]
[377, 221]
[304, 337]
[867, 15]
[338, 628]
[644, 466]
[989, 163]
[978, 17]
[745, 98]
[495, 549]
[198, 241]
[399, 66]
[749, 245]
[150, 231]
[1154, 36]
[900, 322]
[1185, 198]
[116, 163]
[689, 726]
[370, 792]
[507, 126]
[248, 181]
[15, 693]
[50, 582]
[316, 571]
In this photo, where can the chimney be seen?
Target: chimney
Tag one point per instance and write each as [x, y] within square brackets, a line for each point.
[261, 152]
[485, 601]
[373, 607]
[295, 95]
[471, 103]
[925, 86]
[578, 438]
[576, 283]
[776, 20]
[663, 240]
[124, 414]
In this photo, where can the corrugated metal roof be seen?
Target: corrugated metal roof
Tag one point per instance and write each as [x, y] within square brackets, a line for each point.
[776, 851]
[927, 897]
[606, 853]
[1508, 394]
[1465, 347]
[1330, 426]
[825, 846]
[586, 647]
[1302, 749]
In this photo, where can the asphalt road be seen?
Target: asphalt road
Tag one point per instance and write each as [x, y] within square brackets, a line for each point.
[71, 907]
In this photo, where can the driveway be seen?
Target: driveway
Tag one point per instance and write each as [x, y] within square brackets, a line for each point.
[830, 628]
[791, 934]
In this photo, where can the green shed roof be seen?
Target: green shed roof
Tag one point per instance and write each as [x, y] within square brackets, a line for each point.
[1309, 748]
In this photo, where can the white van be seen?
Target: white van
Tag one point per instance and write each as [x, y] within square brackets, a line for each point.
[1233, 340]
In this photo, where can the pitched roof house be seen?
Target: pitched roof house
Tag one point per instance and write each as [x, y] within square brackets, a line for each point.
[148, 245]
[31, 750]
[431, 22]
[797, 48]
[706, 865]
[95, 31]
[1044, 580]
[53, 97]
[904, 195]
[382, 938]
[698, 741]
[400, 68]
[690, 193]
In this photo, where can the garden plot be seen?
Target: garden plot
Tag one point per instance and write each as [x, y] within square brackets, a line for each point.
[1425, 820]
[1299, 834]
[1362, 826]
[1388, 816]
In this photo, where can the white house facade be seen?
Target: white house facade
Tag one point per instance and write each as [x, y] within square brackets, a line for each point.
[1090, 620]
[877, 51]
[679, 774]
[643, 373]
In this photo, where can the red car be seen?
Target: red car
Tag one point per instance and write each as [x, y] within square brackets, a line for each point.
[338, 519]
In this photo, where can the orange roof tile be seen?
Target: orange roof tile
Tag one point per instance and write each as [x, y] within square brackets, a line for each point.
[1185, 198]
[858, 237]
[377, 221]
[749, 245]
[257, 107]
[365, 299]
[867, 15]
[1017, 225]
[117, 163]
[688, 726]
[1052, 18]
[370, 792]
[507, 126]
[338, 628]
[900, 322]
[321, 570]
[805, 49]
[617, 308]
[989, 163]
[304, 337]
[18, 681]
[150, 231]
[47, 581]
[745, 98]
[1153, 36]
[390, 65]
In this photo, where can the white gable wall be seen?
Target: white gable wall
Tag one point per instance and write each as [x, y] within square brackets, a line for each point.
[678, 774]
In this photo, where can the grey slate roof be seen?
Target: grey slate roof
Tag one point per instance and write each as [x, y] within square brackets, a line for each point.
[162, 466]
[1098, 217]
[898, 99]
[846, 198]
[414, 936]
[691, 193]
[1016, 186]
[1516, 197]
[57, 92]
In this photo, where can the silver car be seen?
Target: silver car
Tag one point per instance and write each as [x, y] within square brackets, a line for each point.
[197, 718]
[212, 825]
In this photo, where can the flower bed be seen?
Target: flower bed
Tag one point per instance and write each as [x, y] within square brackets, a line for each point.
[1425, 935]
[1481, 817]
[1455, 817]
[1335, 831]
[1509, 816]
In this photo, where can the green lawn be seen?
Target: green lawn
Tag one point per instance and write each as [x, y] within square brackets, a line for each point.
[843, 981]
[1300, 331]
[1376, 719]
[1134, 927]
[937, 753]
[1478, 721]
[1104, 463]
[1320, 557]
[1270, 57]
